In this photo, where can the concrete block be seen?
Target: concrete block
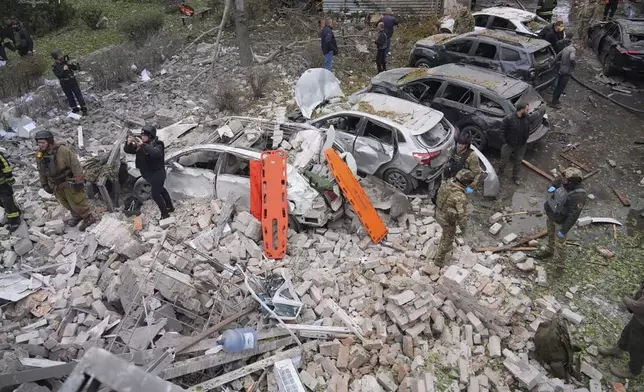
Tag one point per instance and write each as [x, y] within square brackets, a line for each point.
[402, 298]
[495, 228]
[572, 316]
[496, 217]
[9, 259]
[167, 222]
[494, 346]
[595, 386]
[591, 371]
[308, 380]
[386, 380]
[476, 323]
[23, 246]
[527, 375]
[99, 308]
[463, 370]
[456, 274]
[518, 257]
[483, 270]
[509, 238]
[25, 337]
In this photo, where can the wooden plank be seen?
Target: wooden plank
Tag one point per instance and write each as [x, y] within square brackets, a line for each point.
[592, 173]
[622, 198]
[193, 365]
[575, 162]
[246, 370]
[522, 241]
[537, 170]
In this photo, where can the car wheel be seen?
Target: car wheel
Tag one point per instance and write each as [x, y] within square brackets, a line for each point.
[477, 136]
[142, 190]
[607, 68]
[423, 63]
[399, 180]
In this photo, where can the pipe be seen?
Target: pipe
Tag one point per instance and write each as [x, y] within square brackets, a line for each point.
[631, 109]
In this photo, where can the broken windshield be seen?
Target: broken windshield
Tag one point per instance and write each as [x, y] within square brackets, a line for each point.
[434, 136]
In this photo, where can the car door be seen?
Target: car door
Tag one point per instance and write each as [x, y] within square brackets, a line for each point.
[458, 50]
[375, 146]
[611, 39]
[511, 61]
[596, 34]
[347, 127]
[456, 102]
[486, 55]
[191, 174]
[233, 175]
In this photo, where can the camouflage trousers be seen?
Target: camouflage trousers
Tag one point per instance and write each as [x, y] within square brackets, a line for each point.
[447, 239]
[555, 244]
[74, 200]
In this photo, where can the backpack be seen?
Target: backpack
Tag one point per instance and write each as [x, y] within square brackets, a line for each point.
[553, 347]
[558, 202]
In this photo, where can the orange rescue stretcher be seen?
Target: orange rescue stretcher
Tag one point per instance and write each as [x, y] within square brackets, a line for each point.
[274, 203]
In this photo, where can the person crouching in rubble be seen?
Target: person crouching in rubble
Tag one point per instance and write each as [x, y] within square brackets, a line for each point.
[150, 160]
[61, 174]
[7, 200]
[64, 71]
[451, 210]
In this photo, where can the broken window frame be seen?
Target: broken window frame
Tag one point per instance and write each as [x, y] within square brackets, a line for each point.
[469, 102]
[483, 44]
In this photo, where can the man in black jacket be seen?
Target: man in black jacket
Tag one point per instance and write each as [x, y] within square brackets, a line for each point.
[382, 43]
[516, 132]
[150, 160]
[329, 46]
[64, 71]
[6, 33]
[553, 33]
[23, 42]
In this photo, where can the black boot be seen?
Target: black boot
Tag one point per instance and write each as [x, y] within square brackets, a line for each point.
[170, 208]
[84, 110]
[75, 110]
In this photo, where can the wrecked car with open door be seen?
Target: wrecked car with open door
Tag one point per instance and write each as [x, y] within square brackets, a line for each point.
[403, 143]
[619, 44]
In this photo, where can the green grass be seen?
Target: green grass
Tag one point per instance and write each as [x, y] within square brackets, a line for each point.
[600, 280]
[78, 40]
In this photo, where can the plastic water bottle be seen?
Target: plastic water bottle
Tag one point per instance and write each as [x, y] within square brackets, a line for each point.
[239, 339]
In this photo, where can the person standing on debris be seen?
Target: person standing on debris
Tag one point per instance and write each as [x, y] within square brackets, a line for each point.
[631, 339]
[389, 22]
[61, 174]
[516, 132]
[23, 42]
[329, 46]
[150, 160]
[563, 207]
[6, 33]
[545, 7]
[451, 210]
[381, 46]
[565, 61]
[64, 71]
[553, 33]
[7, 200]
[610, 8]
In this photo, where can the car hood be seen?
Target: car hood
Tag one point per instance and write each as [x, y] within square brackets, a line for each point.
[434, 40]
[391, 78]
[315, 86]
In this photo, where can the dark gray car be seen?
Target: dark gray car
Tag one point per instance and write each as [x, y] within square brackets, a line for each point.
[526, 58]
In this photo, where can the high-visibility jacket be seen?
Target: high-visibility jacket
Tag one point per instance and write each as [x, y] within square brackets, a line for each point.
[6, 174]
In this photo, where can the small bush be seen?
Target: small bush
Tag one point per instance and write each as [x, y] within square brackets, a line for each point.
[226, 97]
[41, 16]
[258, 79]
[91, 14]
[110, 67]
[139, 27]
[21, 75]
[155, 51]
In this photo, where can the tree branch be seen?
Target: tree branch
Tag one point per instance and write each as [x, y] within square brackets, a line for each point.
[199, 37]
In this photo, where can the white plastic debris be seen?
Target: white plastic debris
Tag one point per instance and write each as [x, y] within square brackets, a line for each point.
[145, 75]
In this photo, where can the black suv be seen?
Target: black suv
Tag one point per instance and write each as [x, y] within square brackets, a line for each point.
[529, 59]
[474, 99]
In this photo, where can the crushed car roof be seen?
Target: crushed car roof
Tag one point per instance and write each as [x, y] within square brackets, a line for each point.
[417, 118]
[467, 74]
[508, 13]
[529, 43]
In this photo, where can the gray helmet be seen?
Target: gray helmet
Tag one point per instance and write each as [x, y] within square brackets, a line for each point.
[44, 135]
[465, 177]
[56, 54]
[149, 130]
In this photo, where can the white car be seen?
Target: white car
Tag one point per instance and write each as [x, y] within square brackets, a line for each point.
[503, 18]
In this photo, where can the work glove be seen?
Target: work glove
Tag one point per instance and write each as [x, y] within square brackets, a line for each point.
[561, 235]
[48, 189]
[469, 190]
[551, 189]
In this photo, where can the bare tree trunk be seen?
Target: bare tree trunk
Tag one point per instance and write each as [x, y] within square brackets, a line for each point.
[243, 39]
[221, 30]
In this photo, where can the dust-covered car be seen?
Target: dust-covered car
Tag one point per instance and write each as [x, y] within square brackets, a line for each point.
[503, 18]
[619, 44]
[528, 59]
[474, 99]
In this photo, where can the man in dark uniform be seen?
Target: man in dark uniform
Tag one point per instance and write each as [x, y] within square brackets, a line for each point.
[389, 21]
[6, 194]
[631, 340]
[545, 7]
[381, 47]
[23, 42]
[6, 33]
[61, 174]
[562, 208]
[64, 71]
[516, 132]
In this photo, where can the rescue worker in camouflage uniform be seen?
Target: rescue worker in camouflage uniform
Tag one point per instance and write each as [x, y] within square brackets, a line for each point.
[7, 201]
[463, 158]
[631, 340]
[61, 174]
[451, 210]
[562, 208]
[553, 347]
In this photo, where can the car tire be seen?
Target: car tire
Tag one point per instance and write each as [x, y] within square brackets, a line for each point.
[399, 180]
[478, 138]
[607, 69]
[142, 190]
[423, 63]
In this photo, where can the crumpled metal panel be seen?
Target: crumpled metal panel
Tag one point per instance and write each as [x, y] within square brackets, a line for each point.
[190, 183]
[370, 154]
[315, 86]
[491, 185]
